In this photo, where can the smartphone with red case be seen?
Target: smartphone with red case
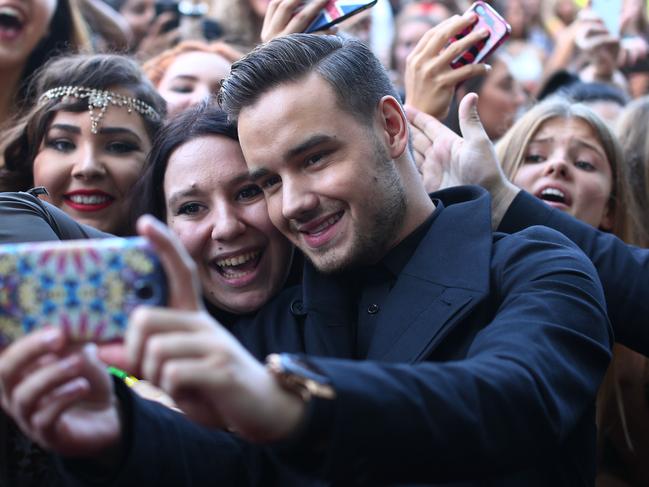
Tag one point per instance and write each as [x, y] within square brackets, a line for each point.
[499, 31]
[88, 287]
[336, 11]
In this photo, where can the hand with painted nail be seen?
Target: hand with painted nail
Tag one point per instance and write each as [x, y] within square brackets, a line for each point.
[285, 17]
[60, 394]
[430, 81]
[212, 378]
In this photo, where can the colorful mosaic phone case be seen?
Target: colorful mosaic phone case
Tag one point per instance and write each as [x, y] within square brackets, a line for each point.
[88, 287]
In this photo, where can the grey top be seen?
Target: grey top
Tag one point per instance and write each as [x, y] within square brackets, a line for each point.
[25, 218]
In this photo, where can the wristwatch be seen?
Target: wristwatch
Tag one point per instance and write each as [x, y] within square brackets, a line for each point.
[296, 375]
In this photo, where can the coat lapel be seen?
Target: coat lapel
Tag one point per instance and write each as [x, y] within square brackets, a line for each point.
[421, 320]
[444, 280]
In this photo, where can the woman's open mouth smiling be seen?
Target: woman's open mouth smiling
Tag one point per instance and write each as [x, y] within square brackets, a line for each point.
[238, 269]
[12, 21]
[88, 200]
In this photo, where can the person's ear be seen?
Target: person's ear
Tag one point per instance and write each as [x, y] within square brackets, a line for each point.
[394, 125]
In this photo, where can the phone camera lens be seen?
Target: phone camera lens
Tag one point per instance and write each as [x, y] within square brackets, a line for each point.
[144, 291]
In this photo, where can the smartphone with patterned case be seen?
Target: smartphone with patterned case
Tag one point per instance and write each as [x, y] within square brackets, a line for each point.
[88, 287]
[499, 31]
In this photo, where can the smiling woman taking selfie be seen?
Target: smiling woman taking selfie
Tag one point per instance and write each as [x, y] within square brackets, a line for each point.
[219, 215]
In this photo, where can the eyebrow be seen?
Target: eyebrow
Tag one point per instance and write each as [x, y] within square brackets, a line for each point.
[308, 144]
[187, 77]
[578, 142]
[118, 131]
[178, 195]
[102, 130]
[593, 147]
[257, 174]
[66, 128]
[241, 178]
[194, 190]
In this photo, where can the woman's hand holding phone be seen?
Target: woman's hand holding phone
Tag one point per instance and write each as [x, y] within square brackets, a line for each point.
[430, 81]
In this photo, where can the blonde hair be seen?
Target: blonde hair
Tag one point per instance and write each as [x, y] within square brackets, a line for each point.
[155, 68]
[632, 128]
[512, 147]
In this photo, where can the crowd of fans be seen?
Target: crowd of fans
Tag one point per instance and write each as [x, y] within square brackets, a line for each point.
[564, 101]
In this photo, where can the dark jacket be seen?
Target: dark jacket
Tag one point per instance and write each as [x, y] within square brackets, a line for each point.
[483, 370]
[623, 269]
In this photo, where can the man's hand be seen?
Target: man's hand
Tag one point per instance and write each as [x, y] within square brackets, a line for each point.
[60, 395]
[430, 80]
[285, 17]
[445, 159]
[210, 375]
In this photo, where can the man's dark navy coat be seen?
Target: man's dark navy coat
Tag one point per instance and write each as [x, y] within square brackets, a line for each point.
[482, 371]
[623, 269]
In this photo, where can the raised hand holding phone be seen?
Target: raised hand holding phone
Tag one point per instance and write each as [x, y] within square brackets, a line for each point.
[430, 80]
[487, 19]
[171, 8]
[59, 392]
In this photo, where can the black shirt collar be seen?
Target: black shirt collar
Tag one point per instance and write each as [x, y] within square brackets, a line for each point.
[397, 258]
